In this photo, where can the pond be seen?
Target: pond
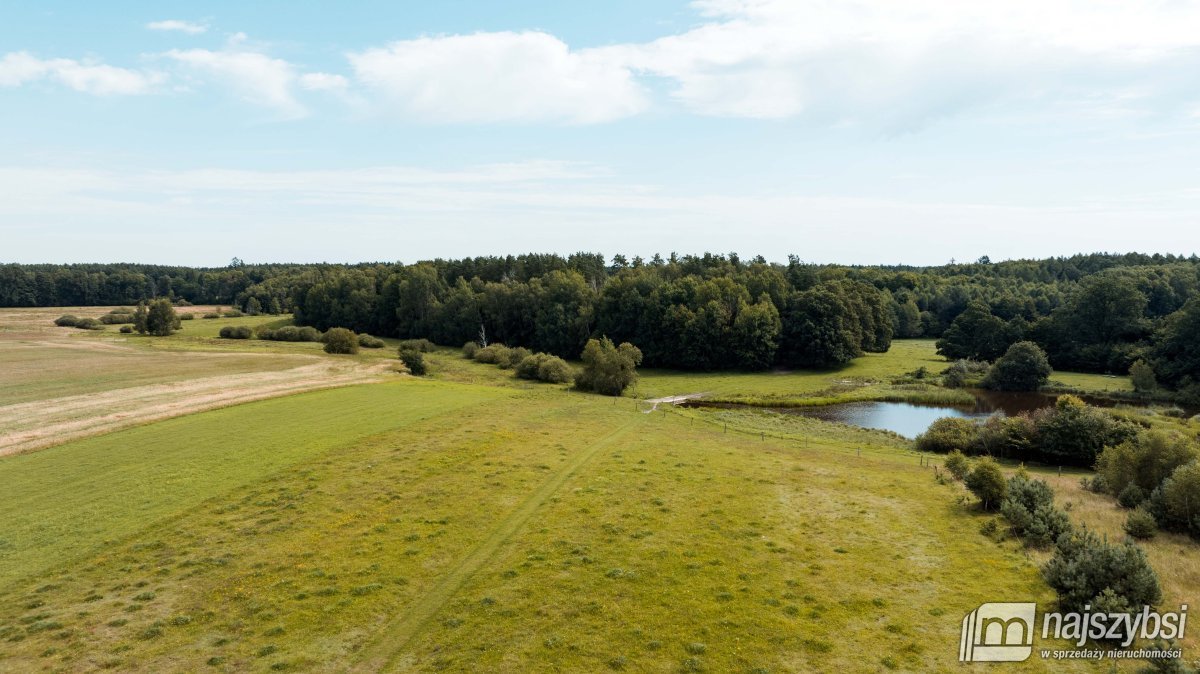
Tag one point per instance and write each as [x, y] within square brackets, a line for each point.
[910, 420]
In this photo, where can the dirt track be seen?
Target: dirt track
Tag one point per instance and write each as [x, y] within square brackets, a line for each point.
[36, 425]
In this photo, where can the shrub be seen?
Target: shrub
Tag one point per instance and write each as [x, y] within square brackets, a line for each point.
[422, 345]
[1084, 566]
[1131, 496]
[1178, 500]
[236, 332]
[116, 318]
[608, 369]
[67, 321]
[189, 316]
[126, 329]
[986, 482]
[1073, 433]
[1143, 377]
[369, 342]
[1029, 508]
[414, 360]
[958, 464]
[1144, 461]
[510, 359]
[469, 350]
[946, 435]
[288, 333]
[1005, 437]
[492, 354]
[233, 313]
[1140, 524]
[89, 324]
[340, 340]
[1024, 367]
[545, 367]
[964, 373]
[212, 315]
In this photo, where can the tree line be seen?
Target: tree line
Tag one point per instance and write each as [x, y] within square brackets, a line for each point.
[1098, 312]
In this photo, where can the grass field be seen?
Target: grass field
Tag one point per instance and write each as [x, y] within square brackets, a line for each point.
[538, 530]
[470, 521]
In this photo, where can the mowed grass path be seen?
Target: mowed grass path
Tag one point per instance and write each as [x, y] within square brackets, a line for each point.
[522, 531]
[72, 499]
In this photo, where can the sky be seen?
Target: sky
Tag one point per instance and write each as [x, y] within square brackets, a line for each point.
[840, 131]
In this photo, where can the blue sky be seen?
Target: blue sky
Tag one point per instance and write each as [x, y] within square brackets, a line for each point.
[860, 131]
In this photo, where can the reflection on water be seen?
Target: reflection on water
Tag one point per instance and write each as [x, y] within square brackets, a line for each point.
[911, 420]
[903, 418]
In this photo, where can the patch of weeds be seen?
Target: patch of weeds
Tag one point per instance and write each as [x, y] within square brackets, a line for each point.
[181, 620]
[817, 645]
[274, 631]
[653, 645]
[695, 648]
[145, 596]
[618, 663]
[36, 603]
[889, 662]
[452, 622]
[154, 631]
[266, 650]
[365, 589]
[119, 622]
[692, 665]
[44, 626]
[215, 660]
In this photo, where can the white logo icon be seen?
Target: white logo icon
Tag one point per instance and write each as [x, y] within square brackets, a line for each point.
[997, 632]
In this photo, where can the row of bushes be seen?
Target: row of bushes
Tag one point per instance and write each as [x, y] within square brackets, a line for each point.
[70, 321]
[525, 364]
[291, 333]
[288, 333]
[1157, 476]
[1070, 433]
[1085, 569]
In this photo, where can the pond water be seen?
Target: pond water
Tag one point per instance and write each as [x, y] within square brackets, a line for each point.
[904, 418]
[910, 420]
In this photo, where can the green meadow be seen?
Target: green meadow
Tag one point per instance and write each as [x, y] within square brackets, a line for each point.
[464, 523]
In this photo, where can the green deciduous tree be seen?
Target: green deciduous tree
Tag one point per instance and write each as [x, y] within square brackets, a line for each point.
[608, 369]
[986, 481]
[161, 320]
[1023, 367]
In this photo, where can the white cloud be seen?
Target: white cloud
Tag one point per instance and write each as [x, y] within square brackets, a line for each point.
[256, 77]
[504, 76]
[904, 61]
[189, 27]
[323, 82]
[18, 68]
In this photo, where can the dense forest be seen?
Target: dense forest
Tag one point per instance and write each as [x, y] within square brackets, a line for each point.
[1098, 312]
